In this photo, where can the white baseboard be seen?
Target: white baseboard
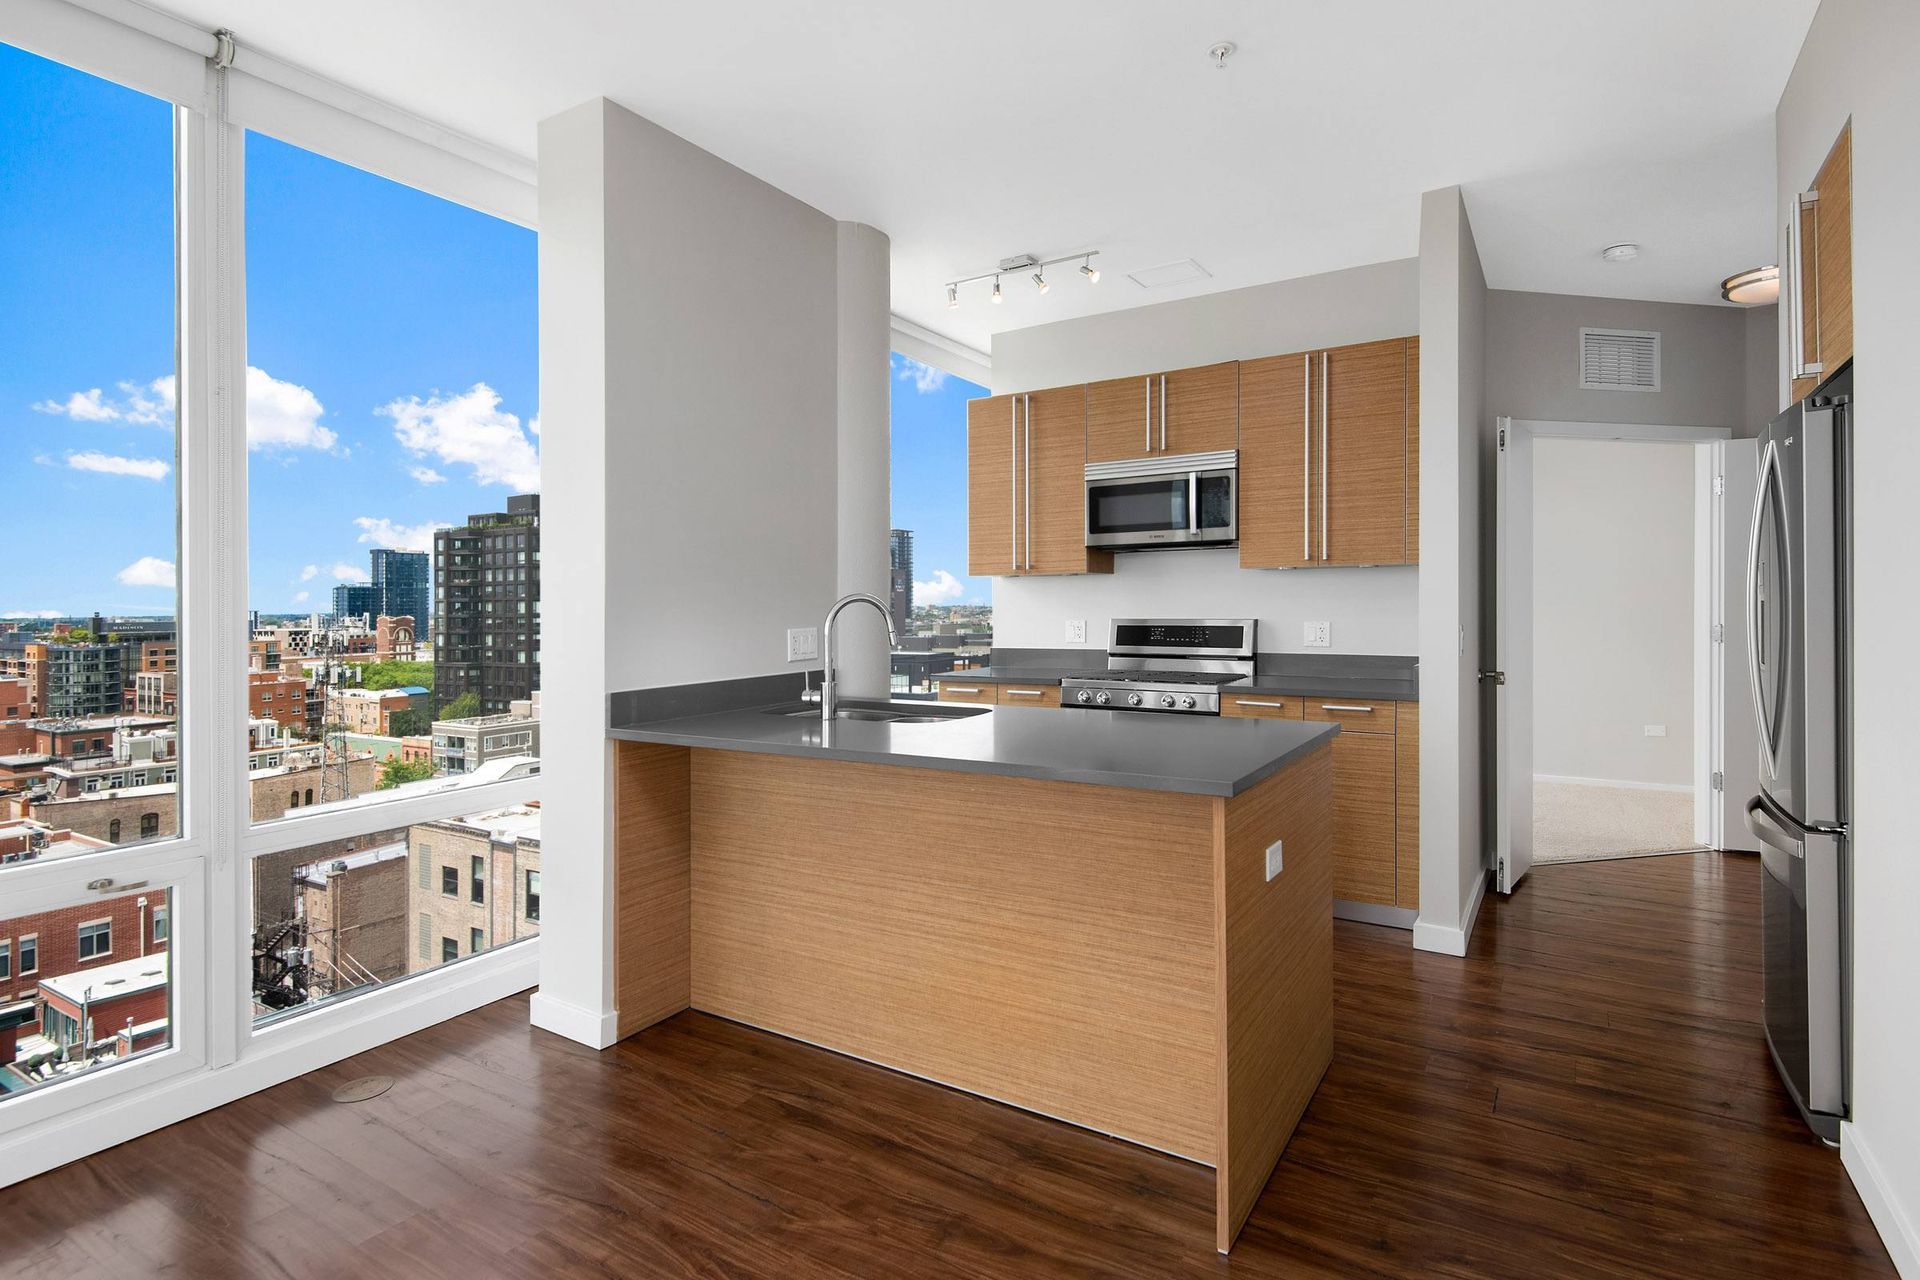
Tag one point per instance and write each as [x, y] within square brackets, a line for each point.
[1451, 939]
[276, 1054]
[1615, 782]
[583, 1026]
[1890, 1219]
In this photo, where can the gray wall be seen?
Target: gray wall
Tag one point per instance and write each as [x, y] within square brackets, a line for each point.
[1762, 361]
[1371, 610]
[1858, 61]
[1533, 360]
[1613, 606]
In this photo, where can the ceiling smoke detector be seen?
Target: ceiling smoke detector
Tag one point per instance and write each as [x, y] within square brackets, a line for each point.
[1625, 251]
[1220, 53]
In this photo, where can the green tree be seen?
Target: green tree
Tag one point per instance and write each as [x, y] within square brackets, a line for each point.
[397, 675]
[408, 724]
[397, 772]
[467, 704]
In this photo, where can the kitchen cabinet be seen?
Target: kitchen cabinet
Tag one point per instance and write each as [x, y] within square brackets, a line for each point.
[1376, 799]
[1406, 807]
[1026, 476]
[979, 693]
[1329, 450]
[1180, 411]
[984, 693]
[1263, 706]
[1820, 284]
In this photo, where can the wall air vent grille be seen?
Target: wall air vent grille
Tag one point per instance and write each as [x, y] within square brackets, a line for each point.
[1619, 360]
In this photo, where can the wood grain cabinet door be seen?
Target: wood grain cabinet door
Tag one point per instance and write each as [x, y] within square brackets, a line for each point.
[1123, 419]
[1406, 808]
[1413, 450]
[1262, 706]
[962, 690]
[1056, 475]
[1363, 817]
[992, 483]
[1832, 218]
[1275, 484]
[1363, 438]
[1201, 409]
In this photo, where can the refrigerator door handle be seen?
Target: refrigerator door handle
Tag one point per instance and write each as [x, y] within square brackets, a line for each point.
[1768, 475]
[1770, 830]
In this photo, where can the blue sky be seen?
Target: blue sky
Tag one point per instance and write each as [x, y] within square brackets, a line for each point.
[392, 345]
[930, 480]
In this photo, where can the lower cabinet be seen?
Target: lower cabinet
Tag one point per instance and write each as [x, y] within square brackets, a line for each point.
[998, 694]
[1376, 800]
[966, 691]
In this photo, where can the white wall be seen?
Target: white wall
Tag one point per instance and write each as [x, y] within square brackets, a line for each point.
[1858, 60]
[1455, 451]
[1613, 603]
[1533, 360]
[1372, 610]
[714, 380]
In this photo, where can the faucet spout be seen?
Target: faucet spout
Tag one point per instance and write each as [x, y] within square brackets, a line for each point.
[827, 683]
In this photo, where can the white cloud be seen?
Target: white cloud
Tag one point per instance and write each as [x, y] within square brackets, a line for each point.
[944, 589]
[533, 424]
[383, 532]
[113, 465]
[347, 573]
[925, 378]
[151, 405]
[147, 571]
[29, 614]
[426, 475]
[82, 406]
[309, 572]
[469, 430]
[300, 597]
[283, 415]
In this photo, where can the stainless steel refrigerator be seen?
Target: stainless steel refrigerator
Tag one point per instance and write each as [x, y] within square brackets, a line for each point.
[1798, 576]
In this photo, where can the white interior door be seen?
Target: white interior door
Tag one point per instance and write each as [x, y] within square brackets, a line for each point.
[1513, 656]
[1739, 739]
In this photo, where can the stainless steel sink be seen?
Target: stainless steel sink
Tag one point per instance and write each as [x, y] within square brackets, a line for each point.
[927, 713]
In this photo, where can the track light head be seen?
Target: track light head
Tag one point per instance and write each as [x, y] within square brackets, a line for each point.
[1091, 272]
[996, 291]
[953, 296]
[1039, 282]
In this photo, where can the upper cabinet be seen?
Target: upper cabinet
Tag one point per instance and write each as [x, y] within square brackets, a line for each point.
[1181, 411]
[1329, 457]
[1026, 460]
[1818, 291]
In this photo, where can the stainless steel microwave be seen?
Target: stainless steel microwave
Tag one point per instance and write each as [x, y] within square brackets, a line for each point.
[1178, 500]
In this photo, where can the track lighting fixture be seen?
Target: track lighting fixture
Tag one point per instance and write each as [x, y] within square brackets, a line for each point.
[1028, 263]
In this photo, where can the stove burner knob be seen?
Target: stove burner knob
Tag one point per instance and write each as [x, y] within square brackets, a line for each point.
[1166, 699]
[1186, 702]
[1086, 696]
[1103, 697]
[1134, 699]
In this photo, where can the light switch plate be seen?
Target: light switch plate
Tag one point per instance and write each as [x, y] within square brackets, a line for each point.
[1316, 635]
[1273, 859]
[803, 644]
[1076, 630]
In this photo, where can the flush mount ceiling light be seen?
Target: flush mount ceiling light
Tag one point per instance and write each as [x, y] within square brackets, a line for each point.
[1220, 53]
[1625, 251]
[1753, 287]
[1026, 262]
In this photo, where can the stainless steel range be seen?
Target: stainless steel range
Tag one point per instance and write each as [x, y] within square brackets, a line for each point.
[1175, 665]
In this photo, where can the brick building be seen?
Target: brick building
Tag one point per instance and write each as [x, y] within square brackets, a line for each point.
[393, 637]
[15, 699]
[144, 812]
[486, 619]
[77, 939]
[353, 914]
[282, 698]
[475, 884]
[371, 711]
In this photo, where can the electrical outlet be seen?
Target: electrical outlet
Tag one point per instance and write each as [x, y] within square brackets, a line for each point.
[1076, 630]
[1316, 635]
[1655, 731]
[803, 644]
[1273, 859]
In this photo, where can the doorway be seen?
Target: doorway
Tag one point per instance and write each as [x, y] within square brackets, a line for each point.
[1620, 723]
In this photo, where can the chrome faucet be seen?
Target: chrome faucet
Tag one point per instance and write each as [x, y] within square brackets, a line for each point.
[826, 680]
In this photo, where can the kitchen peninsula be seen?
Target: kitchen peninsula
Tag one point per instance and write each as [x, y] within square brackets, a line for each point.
[1122, 922]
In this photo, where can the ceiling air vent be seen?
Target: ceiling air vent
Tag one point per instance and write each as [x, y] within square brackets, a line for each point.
[1619, 360]
[1185, 271]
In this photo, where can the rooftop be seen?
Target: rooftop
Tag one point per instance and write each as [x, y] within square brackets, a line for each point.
[315, 873]
[110, 981]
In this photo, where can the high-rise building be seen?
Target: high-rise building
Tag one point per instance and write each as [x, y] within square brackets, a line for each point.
[486, 609]
[356, 600]
[404, 582]
[900, 585]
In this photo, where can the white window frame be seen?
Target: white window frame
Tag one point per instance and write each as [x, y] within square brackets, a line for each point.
[218, 1053]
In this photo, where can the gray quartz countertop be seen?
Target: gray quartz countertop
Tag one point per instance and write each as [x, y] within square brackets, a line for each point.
[1199, 755]
[1389, 679]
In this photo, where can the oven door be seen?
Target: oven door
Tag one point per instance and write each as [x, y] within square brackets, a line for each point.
[1163, 509]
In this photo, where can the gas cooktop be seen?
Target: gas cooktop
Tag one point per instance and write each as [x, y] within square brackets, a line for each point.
[1166, 664]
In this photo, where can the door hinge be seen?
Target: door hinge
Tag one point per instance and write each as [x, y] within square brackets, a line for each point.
[1503, 437]
[1719, 633]
[1719, 780]
[1719, 486]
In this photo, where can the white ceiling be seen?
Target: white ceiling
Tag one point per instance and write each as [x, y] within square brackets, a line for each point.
[971, 132]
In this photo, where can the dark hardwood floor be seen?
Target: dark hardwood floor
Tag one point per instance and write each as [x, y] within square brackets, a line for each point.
[1587, 1094]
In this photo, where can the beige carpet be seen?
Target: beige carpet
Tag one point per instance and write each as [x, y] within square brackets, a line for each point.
[1574, 822]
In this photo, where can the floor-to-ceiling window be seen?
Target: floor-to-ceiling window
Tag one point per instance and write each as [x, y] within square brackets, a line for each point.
[944, 616]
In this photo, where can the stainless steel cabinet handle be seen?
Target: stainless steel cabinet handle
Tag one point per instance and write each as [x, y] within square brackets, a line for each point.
[1149, 381]
[1013, 484]
[1193, 501]
[1256, 702]
[958, 688]
[1029, 519]
[1335, 706]
[1163, 413]
[1811, 200]
[1306, 456]
[1025, 693]
[1323, 455]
